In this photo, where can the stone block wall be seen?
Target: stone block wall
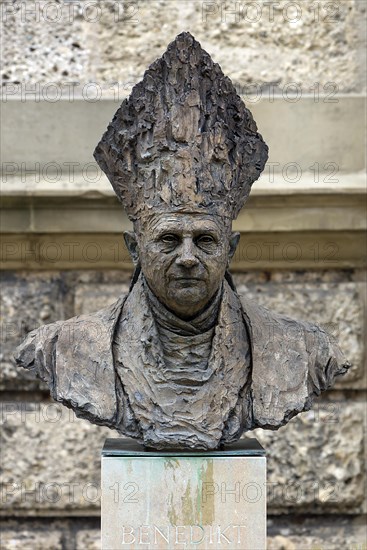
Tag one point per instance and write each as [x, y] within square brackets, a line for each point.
[301, 67]
[260, 44]
[50, 477]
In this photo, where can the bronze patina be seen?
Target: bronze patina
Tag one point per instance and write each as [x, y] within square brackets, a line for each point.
[183, 361]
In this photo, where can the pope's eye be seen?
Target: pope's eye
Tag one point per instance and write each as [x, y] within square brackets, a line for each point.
[169, 239]
[205, 239]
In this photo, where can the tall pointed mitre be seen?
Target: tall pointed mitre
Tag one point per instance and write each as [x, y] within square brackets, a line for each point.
[183, 141]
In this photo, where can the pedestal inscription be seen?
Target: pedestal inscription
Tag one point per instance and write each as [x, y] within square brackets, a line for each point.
[183, 500]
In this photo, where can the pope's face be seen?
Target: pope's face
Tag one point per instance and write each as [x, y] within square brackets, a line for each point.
[183, 258]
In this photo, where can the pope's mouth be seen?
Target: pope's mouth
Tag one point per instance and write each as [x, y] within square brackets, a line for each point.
[188, 279]
[184, 282]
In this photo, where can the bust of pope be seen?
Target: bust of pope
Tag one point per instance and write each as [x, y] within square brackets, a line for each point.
[183, 361]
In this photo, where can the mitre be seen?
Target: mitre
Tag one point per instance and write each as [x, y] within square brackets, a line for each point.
[184, 140]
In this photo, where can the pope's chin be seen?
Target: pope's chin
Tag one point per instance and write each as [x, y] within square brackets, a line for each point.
[187, 291]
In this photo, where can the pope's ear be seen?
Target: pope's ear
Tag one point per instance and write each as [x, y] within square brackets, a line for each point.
[233, 242]
[132, 245]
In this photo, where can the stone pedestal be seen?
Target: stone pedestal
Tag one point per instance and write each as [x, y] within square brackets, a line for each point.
[183, 500]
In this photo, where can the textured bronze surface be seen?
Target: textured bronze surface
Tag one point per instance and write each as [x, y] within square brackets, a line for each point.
[183, 361]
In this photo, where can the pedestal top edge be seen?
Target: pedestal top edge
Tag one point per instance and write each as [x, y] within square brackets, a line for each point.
[118, 447]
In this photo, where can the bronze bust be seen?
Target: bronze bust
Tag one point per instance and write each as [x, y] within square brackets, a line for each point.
[183, 360]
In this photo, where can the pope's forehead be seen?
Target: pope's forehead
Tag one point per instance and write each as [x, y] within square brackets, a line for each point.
[180, 220]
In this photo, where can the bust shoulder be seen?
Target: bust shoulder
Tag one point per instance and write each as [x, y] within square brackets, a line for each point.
[293, 361]
[74, 357]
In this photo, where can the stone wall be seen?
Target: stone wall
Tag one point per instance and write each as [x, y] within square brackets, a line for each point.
[301, 68]
[268, 44]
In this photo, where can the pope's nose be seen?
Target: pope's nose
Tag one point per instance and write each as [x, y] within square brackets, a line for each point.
[186, 257]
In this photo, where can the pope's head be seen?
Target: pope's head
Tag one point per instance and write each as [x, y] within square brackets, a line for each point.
[183, 140]
[183, 257]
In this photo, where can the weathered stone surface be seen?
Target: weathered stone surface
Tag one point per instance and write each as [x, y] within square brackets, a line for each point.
[327, 533]
[88, 540]
[44, 533]
[261, 43]
[315, 463]
[336, 306]
[54, 33]
[57, 464]
[323, 538]
[284, 533]
[308, 543]
[26, 302]
[172, 491]
[29, 539]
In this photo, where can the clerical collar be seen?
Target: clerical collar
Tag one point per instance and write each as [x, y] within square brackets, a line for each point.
[168, 320]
